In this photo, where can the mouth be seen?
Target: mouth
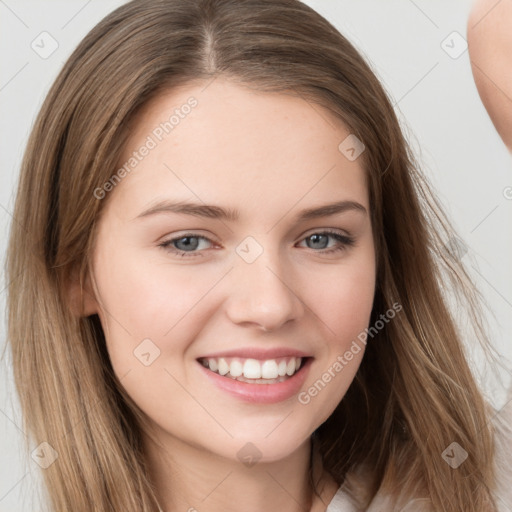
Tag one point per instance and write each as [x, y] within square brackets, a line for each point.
[255, 371]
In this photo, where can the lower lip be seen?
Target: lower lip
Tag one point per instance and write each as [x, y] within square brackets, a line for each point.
[260, 393]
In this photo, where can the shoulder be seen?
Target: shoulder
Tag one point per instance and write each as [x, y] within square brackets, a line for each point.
[490, 45]
[488, 33]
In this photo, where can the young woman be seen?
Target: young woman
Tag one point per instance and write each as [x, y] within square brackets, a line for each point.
[228, 279]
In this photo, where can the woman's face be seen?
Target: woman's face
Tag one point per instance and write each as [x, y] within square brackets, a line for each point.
[246, 278]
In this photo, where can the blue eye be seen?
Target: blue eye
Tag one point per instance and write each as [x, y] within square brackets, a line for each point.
[344, 241]
[190, 242]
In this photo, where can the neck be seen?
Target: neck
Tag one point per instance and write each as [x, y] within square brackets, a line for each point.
[191, 479]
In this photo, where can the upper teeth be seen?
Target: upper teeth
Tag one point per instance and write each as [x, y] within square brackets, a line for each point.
[254, 368]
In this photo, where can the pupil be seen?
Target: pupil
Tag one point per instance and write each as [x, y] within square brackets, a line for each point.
[187, 243]
[315, 238]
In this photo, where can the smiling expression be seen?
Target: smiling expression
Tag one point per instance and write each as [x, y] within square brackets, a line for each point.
[243, 238]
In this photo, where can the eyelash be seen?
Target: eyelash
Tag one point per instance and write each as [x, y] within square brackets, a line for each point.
[345, 241]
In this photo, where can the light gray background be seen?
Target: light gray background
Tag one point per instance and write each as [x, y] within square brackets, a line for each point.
[436, 100]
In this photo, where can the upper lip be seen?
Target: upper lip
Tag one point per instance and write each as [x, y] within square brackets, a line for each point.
[258, 353]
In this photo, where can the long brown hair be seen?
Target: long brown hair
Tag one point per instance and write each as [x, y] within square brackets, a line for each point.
[414, 393]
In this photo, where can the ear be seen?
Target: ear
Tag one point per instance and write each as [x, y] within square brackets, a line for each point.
[82, 299]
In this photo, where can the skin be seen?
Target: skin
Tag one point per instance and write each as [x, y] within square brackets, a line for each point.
[269, 156]
[490, 49]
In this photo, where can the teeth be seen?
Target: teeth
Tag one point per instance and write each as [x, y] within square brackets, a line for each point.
[252, 369]
[290, 368]
[223, 366]
[269, 370]
[212, 363]
[242, 369]
[236, 369]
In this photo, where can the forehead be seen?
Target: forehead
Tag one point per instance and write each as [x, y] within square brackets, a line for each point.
[239, 146]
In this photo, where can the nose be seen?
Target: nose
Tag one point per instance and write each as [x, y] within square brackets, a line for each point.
[262, 293]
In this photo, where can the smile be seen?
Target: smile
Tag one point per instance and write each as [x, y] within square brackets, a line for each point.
[245, 378]
[254, 371]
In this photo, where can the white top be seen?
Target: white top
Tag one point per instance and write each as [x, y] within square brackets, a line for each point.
[341, 503]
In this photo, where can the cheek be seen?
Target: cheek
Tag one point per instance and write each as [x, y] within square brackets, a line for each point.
[344, 309]
[150, 313]
[144, 300]
[344, 301]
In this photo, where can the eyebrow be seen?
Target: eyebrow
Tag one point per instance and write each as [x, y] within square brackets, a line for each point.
[232, 215]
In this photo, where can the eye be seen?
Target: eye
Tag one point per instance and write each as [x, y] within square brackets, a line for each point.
[187, 245]
[343, 241]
